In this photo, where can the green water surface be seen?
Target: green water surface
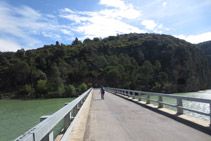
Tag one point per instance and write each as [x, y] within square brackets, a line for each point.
[198, 106]
[18, 116]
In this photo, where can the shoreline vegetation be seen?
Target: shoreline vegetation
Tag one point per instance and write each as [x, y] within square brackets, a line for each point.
[147, 62]
[73, 92]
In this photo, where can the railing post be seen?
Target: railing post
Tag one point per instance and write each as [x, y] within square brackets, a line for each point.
[210, 115]
[67, 120]
[74, 112]
[148, 99]
[133, 95]
[179, 106]
[78, 107]
[139, 95]
[160, 99]
[49, 136]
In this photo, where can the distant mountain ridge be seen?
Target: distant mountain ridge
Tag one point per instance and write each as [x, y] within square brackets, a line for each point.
[148, 62]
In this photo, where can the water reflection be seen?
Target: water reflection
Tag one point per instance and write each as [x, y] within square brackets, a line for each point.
[203, 107]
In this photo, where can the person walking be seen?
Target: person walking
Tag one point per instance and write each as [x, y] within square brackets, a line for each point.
[102, 92]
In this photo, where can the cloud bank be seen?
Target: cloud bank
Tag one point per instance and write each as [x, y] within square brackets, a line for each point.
[196, 38]
[21, 25]
[24, 27]
[103, 23]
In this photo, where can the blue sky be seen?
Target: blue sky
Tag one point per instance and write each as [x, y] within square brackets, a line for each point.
[31, 24]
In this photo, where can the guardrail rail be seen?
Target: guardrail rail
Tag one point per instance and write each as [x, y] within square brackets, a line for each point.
[179, 100]
[44, 130]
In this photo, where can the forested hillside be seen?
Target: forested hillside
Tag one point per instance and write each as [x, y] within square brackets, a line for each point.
[206, 47]
[147, 62]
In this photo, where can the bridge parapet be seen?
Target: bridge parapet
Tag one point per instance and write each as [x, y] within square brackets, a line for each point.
[44, 130]
[179, 100]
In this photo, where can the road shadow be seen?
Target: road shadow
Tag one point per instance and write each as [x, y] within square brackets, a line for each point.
[191, 124]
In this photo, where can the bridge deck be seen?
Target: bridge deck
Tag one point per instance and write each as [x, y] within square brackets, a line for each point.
[116, 119]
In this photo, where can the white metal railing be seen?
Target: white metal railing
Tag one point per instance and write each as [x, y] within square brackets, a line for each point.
[179, 100]
[44, 130]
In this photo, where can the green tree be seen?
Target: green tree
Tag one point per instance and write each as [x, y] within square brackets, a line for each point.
[70, 91]
[19, 73]
[26, 91]
[76, 42]
[55, 83]
[140, 56]
[157, 65]
[111, 75]
[156, 87]
[57, 43]
[21, 53]
[163, 77]
[41, 88]
[82, 88]
[146, 73]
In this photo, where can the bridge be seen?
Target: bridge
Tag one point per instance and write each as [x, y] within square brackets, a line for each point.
[124, 115]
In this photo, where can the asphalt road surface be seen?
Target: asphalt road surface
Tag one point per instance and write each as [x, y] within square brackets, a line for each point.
[117, 119]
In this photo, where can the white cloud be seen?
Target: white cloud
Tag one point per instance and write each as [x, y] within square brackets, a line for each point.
[196, 38]
[105, 22]
[100, 26]
[72, 17]
[20, 24]
[120, 13]
[164, 4]
[149, 24]
[8, 45]
[114, 3]
[153, 26]
[160, 26]
[167, 29]
[67, 32]
[120, 10]
[51, 35]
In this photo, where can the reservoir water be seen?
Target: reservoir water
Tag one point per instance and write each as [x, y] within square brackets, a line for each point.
[18, 116]
[202, 107]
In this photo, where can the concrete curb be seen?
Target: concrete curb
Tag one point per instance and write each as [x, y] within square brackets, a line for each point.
[78, 131]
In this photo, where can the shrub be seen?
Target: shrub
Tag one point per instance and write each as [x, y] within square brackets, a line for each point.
[70, 91]
[26, 91]
[82, 87]
[41, 88]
